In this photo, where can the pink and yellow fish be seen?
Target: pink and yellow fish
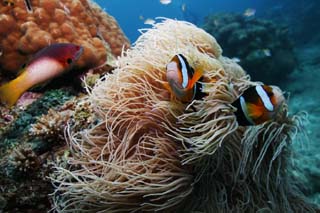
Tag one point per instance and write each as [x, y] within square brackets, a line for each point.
[48, 63]
[182, 79]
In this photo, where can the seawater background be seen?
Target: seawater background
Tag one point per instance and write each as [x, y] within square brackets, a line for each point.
[300, 16]
[127, 12]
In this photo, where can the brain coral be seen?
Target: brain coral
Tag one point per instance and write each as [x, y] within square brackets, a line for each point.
[26, 28]
[147, 152]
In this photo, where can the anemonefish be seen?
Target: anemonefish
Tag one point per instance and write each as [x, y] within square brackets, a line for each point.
[182, 79]
[48, 63]
[258, 104]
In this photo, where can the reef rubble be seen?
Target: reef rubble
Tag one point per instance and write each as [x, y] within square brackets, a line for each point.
[263, 48]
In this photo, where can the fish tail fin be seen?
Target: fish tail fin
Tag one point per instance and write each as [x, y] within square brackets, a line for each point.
[10, 92]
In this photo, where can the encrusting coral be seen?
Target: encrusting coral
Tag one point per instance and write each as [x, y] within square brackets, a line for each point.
[51, 126]
[24, 159]
[148, 151]
[27, 28]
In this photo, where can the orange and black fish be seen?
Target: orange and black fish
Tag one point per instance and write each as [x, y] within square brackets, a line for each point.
[258, 104]
[48, 63]
[183, 80]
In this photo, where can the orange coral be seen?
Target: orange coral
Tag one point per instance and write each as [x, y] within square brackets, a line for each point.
[23, 31]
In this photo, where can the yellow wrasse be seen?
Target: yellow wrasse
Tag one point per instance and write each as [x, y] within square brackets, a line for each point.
[48, 63]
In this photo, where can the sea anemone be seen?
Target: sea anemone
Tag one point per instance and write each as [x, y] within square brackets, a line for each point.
[147, 151]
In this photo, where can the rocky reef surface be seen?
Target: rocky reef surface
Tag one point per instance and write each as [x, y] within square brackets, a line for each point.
[262, 47]
[24, 158]
[301, 16]
[304, 95]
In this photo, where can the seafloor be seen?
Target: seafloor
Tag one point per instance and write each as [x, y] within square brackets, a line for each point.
[303, 88]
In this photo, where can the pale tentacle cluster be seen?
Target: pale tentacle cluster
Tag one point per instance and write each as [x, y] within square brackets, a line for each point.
[150, 152]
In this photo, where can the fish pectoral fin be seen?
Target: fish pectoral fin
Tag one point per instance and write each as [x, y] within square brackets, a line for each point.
[196, 76]
[254, 112]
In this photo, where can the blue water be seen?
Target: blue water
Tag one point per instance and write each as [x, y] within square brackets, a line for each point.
[127, 12]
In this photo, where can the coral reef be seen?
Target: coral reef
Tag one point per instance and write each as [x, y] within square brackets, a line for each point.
[31, 138]
[296, 16]
[261, 47]
[51, 126]
[24, 160]
[24, 157]
[27, 28]
[304, 94]
[147, 151]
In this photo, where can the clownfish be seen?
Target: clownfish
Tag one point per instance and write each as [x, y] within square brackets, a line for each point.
[258, 104]
[48, 63]
[182, 79]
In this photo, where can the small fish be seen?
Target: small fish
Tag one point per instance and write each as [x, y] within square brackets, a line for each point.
[183, 7]
[183, 80]
[141, 17]
[48, 63]
[216, 22]
[258, 104]
[266, 52]
[249, 12]
[236, 59]
[149, 21]
[165, 1]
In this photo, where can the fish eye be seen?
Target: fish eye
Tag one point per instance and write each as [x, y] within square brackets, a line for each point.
[69, 60]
